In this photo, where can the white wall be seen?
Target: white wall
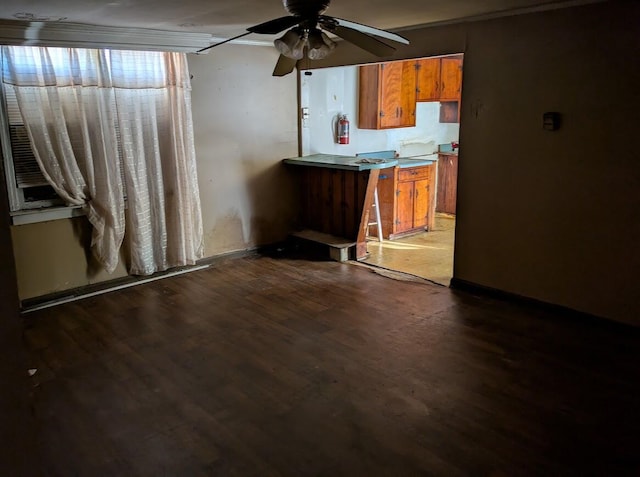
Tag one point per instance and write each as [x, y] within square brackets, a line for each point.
[333, 91]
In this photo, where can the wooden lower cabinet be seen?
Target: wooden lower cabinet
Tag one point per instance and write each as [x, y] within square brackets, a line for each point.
[447, 183]
[407, 200]
[335, 203]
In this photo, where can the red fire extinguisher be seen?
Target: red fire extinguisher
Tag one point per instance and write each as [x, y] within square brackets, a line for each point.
[343, 130]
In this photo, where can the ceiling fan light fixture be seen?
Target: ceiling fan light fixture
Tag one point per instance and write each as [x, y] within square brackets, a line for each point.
[320, 45]
[291, 44]
[305, 23]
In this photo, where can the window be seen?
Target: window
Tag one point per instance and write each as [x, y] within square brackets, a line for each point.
[28, 189]
[106, 126]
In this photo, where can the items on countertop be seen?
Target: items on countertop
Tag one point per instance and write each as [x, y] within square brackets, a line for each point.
[449, 148]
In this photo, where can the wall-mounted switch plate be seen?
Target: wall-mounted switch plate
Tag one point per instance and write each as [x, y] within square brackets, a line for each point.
[551, 121]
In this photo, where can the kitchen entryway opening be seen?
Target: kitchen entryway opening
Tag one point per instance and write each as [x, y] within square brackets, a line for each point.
[420, 125]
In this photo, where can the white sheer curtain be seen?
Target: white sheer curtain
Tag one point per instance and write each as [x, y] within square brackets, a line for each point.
[96, 117]
[154, 118]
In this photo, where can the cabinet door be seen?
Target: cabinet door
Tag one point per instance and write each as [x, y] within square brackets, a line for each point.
[369, 97]
[447, 183]
[404, 197]
[391, 94]
[450, 112]
[421, 203]
[428, 79]
[408, 95]
[386, 200]
[450, 78]
[387, 95]
[431, 197]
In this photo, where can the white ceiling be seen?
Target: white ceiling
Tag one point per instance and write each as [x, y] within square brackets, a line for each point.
[227, 18]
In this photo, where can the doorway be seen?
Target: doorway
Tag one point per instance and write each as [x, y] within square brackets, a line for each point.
[329, 93]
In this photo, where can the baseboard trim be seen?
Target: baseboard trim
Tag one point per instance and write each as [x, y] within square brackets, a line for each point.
[53, 299]
[47, 301]
[562, 311]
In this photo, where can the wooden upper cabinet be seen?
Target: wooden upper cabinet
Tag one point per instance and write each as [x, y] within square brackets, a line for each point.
[387, 95]
[390, 94]
[408, 95]
[450, 78]
[439, 79]
[428, 79]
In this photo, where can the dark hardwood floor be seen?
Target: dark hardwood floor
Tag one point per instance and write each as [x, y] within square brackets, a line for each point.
[262, 366]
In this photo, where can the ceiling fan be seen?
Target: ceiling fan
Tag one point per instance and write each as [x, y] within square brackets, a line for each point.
[308, 33]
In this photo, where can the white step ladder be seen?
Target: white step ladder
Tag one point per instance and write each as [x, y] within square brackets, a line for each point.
[378, 221]
[376, 203]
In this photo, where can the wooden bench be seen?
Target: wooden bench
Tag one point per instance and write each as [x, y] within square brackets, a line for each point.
[338, 246]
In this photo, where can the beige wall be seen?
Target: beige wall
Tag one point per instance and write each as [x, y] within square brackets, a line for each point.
[245, 123]
[552, 216]
[54, 256]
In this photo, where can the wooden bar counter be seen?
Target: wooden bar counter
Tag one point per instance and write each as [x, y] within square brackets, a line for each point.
[336, 193]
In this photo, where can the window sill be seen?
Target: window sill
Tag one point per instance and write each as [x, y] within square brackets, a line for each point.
[24, 217]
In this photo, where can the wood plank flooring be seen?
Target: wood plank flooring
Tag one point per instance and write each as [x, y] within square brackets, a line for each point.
[276, 366]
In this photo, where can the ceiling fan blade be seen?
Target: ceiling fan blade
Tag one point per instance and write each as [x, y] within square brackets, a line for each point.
[364, 41]
[223, 42]
[326, 20]
[274, 26]
[284, 66]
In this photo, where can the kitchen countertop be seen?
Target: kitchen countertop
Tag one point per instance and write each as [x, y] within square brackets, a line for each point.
[350, 163]
[417, 161]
